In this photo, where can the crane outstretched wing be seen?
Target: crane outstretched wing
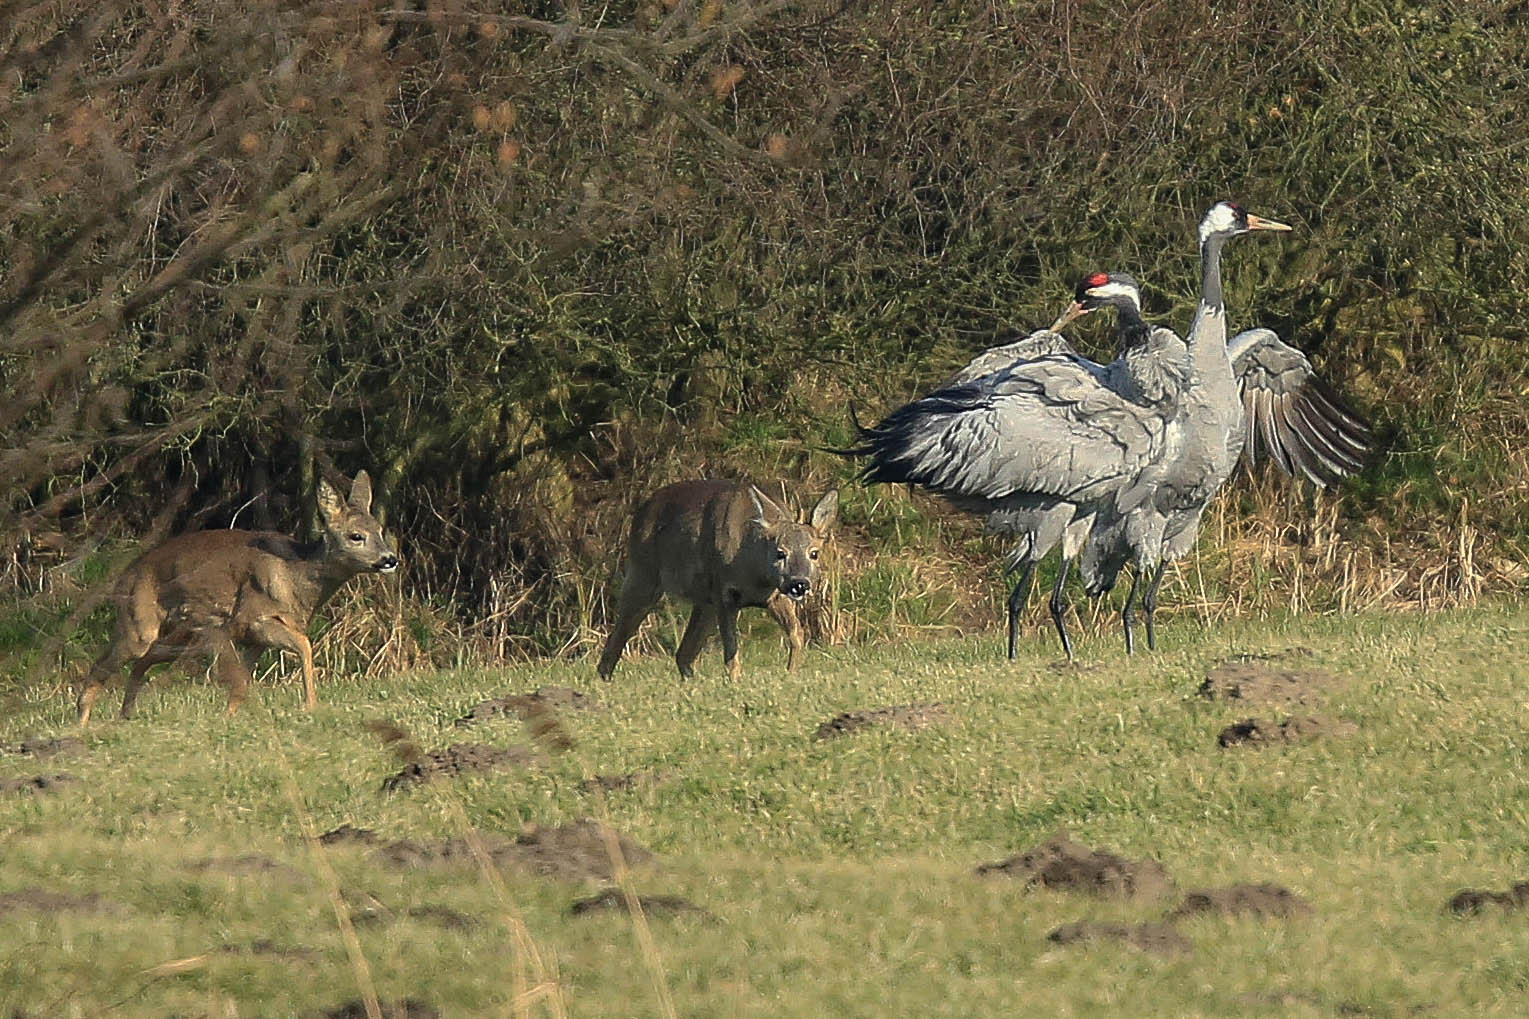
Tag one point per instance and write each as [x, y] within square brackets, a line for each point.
[1046, 427]
[1041, 343]
[1307, 430]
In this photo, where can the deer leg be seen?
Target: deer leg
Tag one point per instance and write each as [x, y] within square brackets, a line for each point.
[125, 647]
[783, 610]
[229, 665]
[283, 634]
[702, 618]
[164, 650]
[635, 604]
[727, 622]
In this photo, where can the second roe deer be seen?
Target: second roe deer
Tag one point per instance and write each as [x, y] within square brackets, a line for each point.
[232, 594]
[720, 545]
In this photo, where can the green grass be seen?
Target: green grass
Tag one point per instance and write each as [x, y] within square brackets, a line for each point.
[839, 873]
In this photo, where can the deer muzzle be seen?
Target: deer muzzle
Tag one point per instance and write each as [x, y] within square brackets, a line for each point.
[796, 588]
[387, 564]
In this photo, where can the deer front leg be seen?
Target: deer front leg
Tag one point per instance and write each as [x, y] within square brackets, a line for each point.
[702, 618]
[783, 610]
[284, 635]
[727, 622]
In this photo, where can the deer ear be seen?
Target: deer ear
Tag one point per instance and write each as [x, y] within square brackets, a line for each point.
[331, 506]
[361, 493]
[765, 510]
[826, 512]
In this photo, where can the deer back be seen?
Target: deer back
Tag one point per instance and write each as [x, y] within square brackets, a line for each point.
[202, 578]
[706, 540]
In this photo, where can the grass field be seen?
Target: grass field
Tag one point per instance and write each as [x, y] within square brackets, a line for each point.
[834, 877]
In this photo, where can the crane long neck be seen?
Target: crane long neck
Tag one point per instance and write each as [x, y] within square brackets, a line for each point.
[1132, 330]
[1210, 272]
[1210, 366]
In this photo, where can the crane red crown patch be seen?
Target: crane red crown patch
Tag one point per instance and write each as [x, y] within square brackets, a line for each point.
[1098, 279]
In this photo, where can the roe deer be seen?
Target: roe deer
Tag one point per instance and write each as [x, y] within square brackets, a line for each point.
[232, 594]
[720, 545]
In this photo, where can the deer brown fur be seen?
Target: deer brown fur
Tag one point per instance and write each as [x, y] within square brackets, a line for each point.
[722, 546]
[232, 594]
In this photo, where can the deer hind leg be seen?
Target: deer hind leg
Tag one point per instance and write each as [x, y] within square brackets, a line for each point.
[783, 609]
[166, 649]
[637, 600]
[127, 644]
[702, 618]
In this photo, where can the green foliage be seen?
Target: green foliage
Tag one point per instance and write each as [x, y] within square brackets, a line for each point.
[526, 271]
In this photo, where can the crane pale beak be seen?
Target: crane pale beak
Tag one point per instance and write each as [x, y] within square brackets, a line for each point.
[1073, 311]
[1259, 223]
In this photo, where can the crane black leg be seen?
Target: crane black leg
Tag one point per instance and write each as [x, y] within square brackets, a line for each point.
[1017, 599]
[1059, 607]
[1128, 614]
[1149, 604]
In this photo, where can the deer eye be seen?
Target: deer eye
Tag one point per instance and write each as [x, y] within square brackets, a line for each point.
[356, 536]
[780, 555]
[813, 554]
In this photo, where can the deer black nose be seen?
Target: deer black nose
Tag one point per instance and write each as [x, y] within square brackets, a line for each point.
[387, 564]
[797, 589]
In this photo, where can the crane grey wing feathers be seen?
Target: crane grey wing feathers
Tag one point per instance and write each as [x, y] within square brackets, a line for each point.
[1041, 343]
[1302, 424]
[1044, 427]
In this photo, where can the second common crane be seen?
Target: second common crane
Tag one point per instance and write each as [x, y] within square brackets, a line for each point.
[1256, 387]
[1038, 439]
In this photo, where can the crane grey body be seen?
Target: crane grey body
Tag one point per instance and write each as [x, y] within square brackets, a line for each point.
[1257, 387]
[1039, 439]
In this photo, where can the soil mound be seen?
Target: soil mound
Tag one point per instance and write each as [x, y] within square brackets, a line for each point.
[249, 865]
[526, 705]
[1470, 901]
[1062, 864]
[569, 852]
[407, 1008]
[460, 759]
[901, 716]
[44, 901]
[1255, 683]
[40, 747]
[627, 781]
[612, 899]
[1157, 938]
[1261, 900]
[36, 784]
[1257, 732]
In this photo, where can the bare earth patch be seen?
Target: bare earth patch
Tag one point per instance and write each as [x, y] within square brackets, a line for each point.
[36, 783]
[40, 747]
[1470, 901]
[1059, 863]
[901, 716]
[568, 852]
[1256, 683]
[407, 1008]
[1257, 732]
[628, 781]
[612, 899]
[249, 865]
[1261, 900]
[442, 916]
[526, 705]
[44, 901]
[460, 759]
[1157, 938]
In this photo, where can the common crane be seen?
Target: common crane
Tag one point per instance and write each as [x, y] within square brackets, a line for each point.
[1038, 439]
[1255, 387]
